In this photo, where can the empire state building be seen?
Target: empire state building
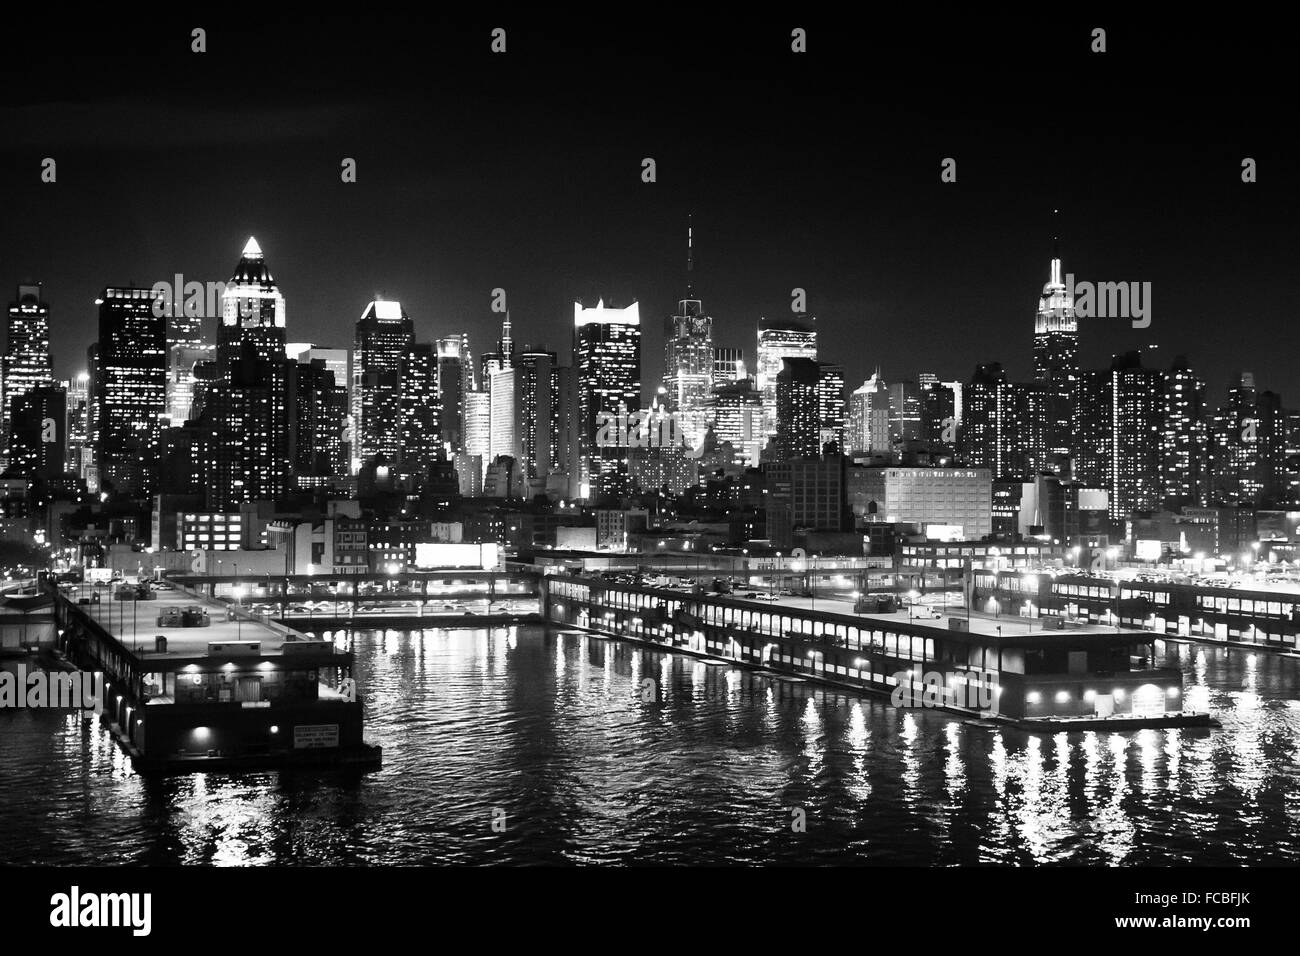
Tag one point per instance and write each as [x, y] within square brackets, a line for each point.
[1056, 364]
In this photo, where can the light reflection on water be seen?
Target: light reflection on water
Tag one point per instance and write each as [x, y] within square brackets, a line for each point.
[556, 731]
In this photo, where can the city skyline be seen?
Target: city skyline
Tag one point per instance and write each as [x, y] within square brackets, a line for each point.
[641, 437]
[783, 192]
[1009, 353]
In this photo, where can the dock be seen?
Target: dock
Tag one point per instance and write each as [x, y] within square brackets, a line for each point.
[192, 684]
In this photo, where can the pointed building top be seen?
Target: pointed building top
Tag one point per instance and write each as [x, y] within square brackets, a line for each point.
[252, 268]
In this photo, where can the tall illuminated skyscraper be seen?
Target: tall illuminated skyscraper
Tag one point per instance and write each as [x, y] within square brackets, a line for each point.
[778, 340]
[538, 388]
[252, 398]
[78, 427]
[185, 349]
[26, 363]
[452, 386]
[384, 337]
[320, 409]
[419, 420]
[130, 387]
[607, 363]
[1184, 438]
[1120, 418]
[1056, 365]
[689, 358]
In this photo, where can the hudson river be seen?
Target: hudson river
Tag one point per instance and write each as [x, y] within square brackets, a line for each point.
[534, 746]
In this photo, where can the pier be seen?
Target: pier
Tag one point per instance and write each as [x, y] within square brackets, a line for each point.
[1054, 678]
[192, 684]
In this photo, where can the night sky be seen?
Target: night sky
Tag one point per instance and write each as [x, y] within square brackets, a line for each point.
[522, 171]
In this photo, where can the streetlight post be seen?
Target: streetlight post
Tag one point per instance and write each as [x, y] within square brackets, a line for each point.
[813, 588]
[239, 621]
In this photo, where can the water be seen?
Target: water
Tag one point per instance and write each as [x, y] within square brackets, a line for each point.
[552, 731]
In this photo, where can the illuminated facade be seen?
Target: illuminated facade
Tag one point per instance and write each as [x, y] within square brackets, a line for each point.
[1119, 434]
[130, 387]
[736, 414]
[1184, 439]
[319, 417]
[904, 412]
[252, 396]
[538, 387]
[798, 411]
[777, 341]
[26, 363]
[688, 366]
[868, 424]
[452, 385]
[419, 411]
[607, 360]
[384, 338]
[78, 428]
[728, 366]
[952, 497]
[1056, 362]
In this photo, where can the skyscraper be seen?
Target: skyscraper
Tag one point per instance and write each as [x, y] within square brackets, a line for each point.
[185, 349]
[319, 418]
[798, 411]
[941, 412]
[478, 441]
[736, 414]
[538, 386]
[26, 363]
[1119, 429]
[991, 423]
[452, 386]
[1184, 441]
[506, 413]
[38, 432]
[868, 426]
[419, 421]
[777, 340]
[1136, 432]
[688, 365]
[252, 397]
[78, 428]
[130, 387]
[1056, 362]
[904, 412]
[607, 360]
[830, 408]
[384, 336]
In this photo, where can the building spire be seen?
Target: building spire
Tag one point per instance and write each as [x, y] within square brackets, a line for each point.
[690, 256]
[1056, 247]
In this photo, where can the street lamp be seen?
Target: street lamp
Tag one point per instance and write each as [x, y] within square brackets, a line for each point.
[239, 621]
